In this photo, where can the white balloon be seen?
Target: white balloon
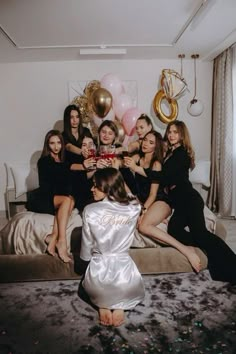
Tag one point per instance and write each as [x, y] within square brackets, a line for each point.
[195, 107]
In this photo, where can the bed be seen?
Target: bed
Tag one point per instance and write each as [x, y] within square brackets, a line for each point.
[22, 246]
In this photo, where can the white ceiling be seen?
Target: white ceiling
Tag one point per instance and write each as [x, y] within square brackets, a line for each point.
[44, 30]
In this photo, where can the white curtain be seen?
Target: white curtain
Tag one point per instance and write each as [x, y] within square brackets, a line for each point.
[233, 213]
[222, 192]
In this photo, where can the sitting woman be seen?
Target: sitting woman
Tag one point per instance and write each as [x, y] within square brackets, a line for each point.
[112, 281]
[151, 194]
[188, 208]
[107, 136]
[55, 193]
[82, 169]
[143, 126]
[73, 132]
[149, 158]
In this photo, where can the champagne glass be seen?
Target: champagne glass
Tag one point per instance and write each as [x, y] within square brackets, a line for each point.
[125, 153]
[103, 150]
[111, 151]
[92, 150]
[92, 154]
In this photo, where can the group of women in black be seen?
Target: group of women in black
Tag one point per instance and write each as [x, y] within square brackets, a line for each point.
[157, 173]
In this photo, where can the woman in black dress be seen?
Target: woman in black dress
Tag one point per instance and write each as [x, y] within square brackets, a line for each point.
[55, 193]
[73, 132]
[141, 164]
[150, 192]
[188, 206]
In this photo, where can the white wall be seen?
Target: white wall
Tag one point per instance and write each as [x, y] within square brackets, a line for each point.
[33, 97]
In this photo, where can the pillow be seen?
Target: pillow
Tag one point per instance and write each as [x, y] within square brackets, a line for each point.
[201, 173]
[25, 177]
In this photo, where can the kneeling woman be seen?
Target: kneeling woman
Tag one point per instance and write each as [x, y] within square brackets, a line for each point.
[112, 280]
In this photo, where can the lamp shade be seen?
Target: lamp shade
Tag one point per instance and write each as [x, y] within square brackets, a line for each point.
[195, 107]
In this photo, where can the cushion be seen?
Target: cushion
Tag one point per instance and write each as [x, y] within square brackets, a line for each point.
[24, 177]
[201, 173]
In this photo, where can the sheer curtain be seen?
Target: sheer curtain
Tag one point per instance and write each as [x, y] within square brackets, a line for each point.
[222, 195]
[234, 133]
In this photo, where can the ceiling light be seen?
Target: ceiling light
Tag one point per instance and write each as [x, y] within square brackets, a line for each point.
[102, 51]
[195, 106]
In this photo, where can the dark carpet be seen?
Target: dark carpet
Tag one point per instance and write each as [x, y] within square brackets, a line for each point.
[182, 313]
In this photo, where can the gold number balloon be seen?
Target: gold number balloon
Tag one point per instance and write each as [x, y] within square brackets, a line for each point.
[160, 95]
[101, 100]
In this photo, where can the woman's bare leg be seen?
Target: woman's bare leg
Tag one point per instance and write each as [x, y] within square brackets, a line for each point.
[157, 212]
[118, 317]
[51, 239]
[64, 206]
[105, 317]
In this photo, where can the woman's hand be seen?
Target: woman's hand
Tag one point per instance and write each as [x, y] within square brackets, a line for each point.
[103, 163]
[89, 163]
[130, 163]
[85, 152]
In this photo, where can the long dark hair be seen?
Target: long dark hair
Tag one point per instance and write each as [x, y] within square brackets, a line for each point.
[185, 139]
[46, 149]
[158, 151]
[67, 125]
[110, 181]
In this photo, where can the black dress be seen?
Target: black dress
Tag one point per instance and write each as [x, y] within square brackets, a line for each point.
[72, 140]
[143, 186]
[188, 211]
[54, 179]
[81, 185]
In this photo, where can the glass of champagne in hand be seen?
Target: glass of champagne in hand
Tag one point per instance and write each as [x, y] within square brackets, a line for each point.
[92, 154]
[125, 153]
[111, 151]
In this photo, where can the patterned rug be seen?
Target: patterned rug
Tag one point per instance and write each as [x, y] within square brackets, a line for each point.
[182, 313]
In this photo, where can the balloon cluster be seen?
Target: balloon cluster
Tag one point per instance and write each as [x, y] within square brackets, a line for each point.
[107, 99]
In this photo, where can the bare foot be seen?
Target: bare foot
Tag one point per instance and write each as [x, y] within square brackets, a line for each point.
[193, 259]
[62, 252]
[118, 317]
[51, 241]
[105, 317]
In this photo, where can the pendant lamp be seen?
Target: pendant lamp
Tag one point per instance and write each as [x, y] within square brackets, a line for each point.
[195, 106]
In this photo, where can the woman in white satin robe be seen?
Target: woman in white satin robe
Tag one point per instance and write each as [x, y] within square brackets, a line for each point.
[112, 280]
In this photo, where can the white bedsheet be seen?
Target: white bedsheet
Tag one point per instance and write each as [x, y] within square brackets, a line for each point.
[26, 231]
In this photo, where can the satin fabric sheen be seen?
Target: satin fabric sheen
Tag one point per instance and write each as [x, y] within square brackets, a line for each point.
[112, 279]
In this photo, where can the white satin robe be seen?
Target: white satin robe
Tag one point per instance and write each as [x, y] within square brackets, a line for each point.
[112, 279]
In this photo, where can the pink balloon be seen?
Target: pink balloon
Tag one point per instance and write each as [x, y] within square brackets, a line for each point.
[112, 83]
[110, 116]
[121, 104]
[129, 120]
